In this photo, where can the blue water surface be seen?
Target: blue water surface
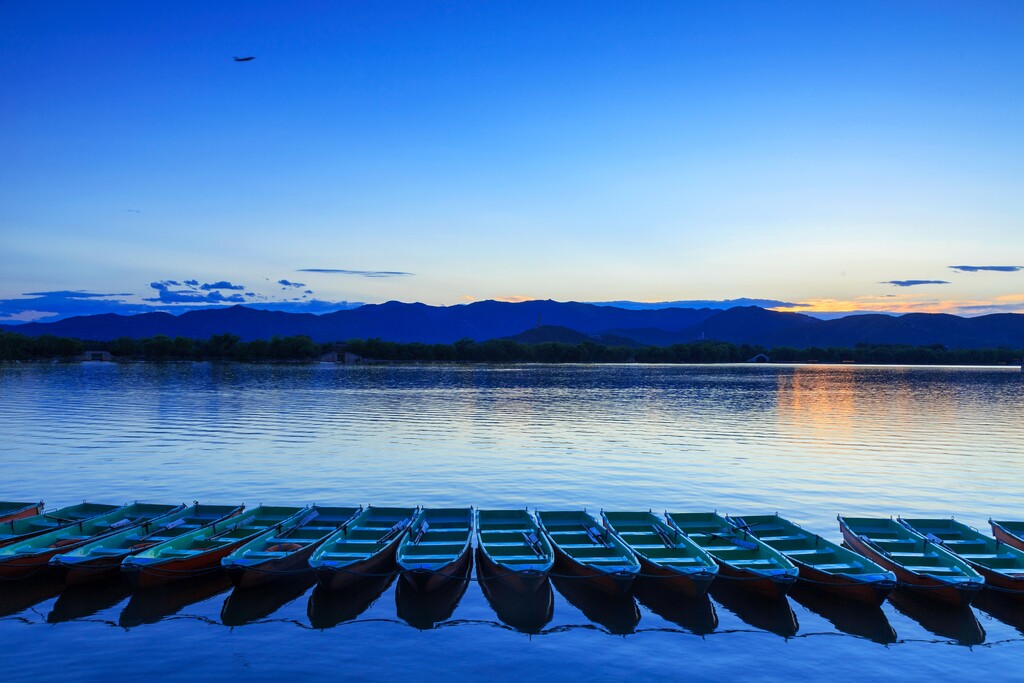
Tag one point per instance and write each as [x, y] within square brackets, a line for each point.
[807, 441]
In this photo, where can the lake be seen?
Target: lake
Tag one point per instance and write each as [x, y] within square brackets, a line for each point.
[806, 441]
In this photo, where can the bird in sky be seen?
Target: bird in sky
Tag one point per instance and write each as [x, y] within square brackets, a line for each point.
[244, 59]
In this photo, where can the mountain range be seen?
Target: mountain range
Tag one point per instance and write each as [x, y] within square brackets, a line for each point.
[553, 321]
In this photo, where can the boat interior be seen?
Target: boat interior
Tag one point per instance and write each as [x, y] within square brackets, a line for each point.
[49, 521]
[365, 534]
[971, 544]
[151, 533]
[222, 534]
[582, 538]
[904, 547]
[651, 537]
[437, 536]
[802, 545]
[309, 529]
[511, 537]
[737, 549]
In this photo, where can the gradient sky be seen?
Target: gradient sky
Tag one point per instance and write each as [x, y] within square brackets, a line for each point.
[805, 152]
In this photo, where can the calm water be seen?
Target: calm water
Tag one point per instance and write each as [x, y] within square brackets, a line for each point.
[806, 441]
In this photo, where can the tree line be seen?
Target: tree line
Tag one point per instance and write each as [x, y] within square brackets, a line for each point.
[229, 347]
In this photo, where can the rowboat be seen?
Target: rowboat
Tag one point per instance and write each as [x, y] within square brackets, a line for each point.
[15, 530]
[10, 511]
[283, 552]
[584, 549]
[102, 559]
[436, 550]
[1010, 533]
[1001, 564]
[758, 567]
[361, 548]
[827, 566]
[32, 556]
[200, 551]
[511, 549]
[920, 565]
[669, 557]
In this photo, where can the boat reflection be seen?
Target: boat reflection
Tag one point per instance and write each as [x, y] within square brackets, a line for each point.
[328, 608]
[696, 615]
[957, 623]
[246, 605]
[525, 612]
[150, 605]
[1007, 610]
[848, 616]
[617, 613]
[81, 601]
[18, 596]
[774, 616]
[425, 610]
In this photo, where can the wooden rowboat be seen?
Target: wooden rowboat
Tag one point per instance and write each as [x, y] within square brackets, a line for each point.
[199, 552]
[512, 550]
[670, 558]
[757, 567]
[921, 566]
[1001, 564]
[10, 511]
[102, 559]
[363, 548]
[827, 566]
[588, 554]
[32, 556]
[15, 530]
[1010, 533]
[435, 552]
[281, 553]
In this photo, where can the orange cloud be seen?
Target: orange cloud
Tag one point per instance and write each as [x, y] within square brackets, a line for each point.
[515, 298]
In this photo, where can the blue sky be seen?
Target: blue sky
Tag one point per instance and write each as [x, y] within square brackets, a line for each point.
[839, 156]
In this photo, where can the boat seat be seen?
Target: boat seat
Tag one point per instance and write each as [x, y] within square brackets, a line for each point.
[428, 559]
[264, 555]
[837, 565]
[599, 560]
[342, 557]
[796, 537]
[810, 551]
[179, 553]
[289, 539]
[983, 556]
[754, 564]
[501, 559]
[931, 569]
[908, 556]
[679, 560]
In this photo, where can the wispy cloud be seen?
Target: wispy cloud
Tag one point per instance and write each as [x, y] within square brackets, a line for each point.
[698, 303]
[997, 269]
[913, 283]
[360, 273]
[888, 303]
[223, 284]
[292, 285]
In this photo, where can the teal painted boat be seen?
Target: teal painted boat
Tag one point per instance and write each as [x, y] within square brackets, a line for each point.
[921, 566]
[586, 550]
[102, 559]
[361, 549]
[755, 566]
[199, 552]
[1009, 532]
[669, 557]
[32, 556]
[10, 511]
[15, 530]
[1001, 564]
[284, 552]
[826, 566]
[435, 552]
[512, 549]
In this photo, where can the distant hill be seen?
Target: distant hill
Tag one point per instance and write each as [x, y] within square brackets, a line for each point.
[553, 321]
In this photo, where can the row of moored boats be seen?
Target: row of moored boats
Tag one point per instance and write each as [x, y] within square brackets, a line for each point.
[940, 559]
